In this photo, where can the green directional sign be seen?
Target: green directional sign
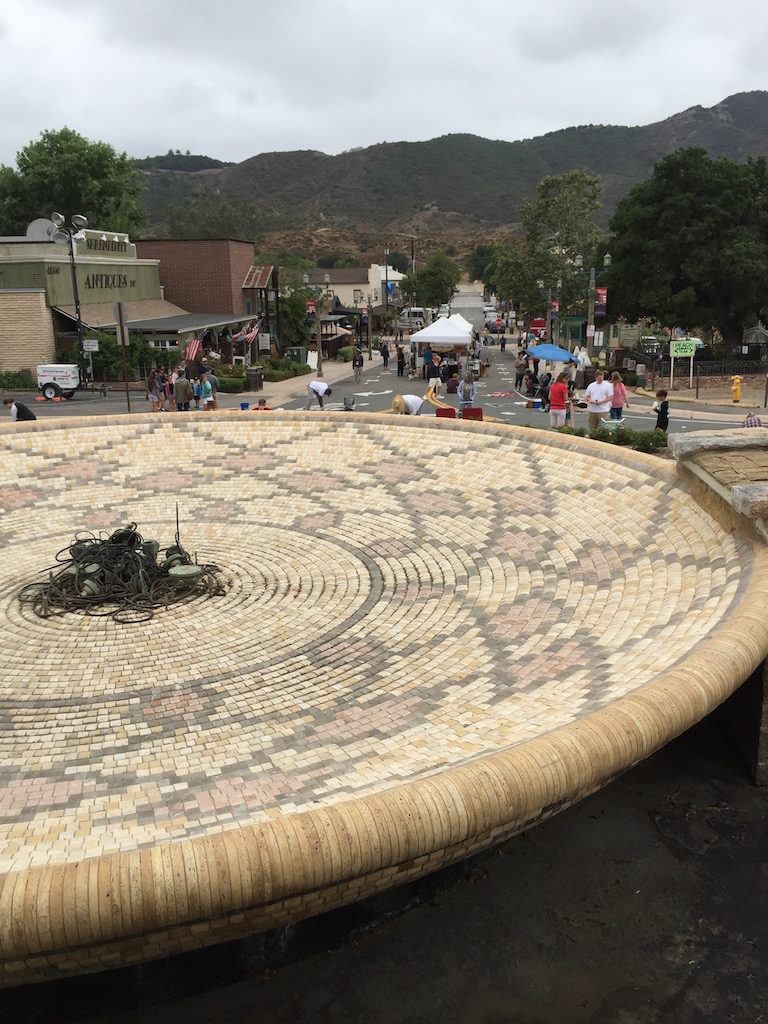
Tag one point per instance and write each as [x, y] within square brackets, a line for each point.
[682, 347]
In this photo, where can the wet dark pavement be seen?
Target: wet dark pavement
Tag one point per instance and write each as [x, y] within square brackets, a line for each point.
[648, 902]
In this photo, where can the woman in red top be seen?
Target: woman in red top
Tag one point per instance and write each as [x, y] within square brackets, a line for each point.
[559, 401]
[619, 399]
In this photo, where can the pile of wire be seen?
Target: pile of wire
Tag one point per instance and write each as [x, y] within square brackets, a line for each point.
[122, 577]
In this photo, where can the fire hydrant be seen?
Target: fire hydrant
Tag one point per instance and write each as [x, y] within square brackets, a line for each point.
[736, 388]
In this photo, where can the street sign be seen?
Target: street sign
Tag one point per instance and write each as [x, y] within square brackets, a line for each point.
[90, 344]
[499, 323]
[121, 327]
[682, 347]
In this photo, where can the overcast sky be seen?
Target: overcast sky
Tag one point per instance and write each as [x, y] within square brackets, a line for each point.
[233, 78]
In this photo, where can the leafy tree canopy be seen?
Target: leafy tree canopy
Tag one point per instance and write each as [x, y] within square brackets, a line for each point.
[293, 306]
[560, 225]
[399, 262]
[434, 283]
[563, 214]
[211, 214]
[478, 261]
[690, 244]
[64, 172]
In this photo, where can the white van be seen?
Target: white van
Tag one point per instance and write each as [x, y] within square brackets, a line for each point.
[413, 317]
[57, 379]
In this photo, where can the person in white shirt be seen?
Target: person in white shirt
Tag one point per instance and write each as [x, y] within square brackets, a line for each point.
[407, 405]
[318, 389]
[599, 395]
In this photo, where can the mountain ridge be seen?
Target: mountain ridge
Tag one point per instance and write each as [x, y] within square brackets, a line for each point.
[455, 188]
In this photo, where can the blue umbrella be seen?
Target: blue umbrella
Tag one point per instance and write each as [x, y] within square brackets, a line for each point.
[553, 353]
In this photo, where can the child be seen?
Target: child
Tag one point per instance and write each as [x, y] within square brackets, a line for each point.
[197, 391]
[661, 408]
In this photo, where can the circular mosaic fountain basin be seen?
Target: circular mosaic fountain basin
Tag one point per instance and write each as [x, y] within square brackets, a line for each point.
[433, 638]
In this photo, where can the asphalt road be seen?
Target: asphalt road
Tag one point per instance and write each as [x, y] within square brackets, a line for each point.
[379, 387]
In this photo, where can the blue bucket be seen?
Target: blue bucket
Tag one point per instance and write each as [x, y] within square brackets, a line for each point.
[537, 403]
[245, 406]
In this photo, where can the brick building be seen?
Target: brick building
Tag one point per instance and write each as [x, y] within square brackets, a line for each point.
[26, 329]
[202, 274]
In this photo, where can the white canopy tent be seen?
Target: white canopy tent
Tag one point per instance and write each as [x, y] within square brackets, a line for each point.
[458, 319]
[443, 333]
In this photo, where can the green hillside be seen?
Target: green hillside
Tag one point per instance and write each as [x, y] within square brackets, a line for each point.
[455, 180]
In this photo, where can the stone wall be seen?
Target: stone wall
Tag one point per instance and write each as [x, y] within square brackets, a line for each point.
[26, 329]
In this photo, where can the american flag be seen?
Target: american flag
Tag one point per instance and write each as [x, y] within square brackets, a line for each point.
[192, 349]
[248, 335]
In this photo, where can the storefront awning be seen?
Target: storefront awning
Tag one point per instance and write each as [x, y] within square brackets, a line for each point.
[152, 315]
[102, 314]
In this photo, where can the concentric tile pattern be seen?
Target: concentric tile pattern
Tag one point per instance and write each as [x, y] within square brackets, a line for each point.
[403, 601]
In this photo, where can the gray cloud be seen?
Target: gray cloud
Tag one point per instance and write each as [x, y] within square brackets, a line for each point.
[233, 79]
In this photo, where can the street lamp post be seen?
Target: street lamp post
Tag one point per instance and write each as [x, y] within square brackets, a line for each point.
[370, 315]
[319, 299]
[71, 233]
[579, 261]
[386, 280]
[559, 287]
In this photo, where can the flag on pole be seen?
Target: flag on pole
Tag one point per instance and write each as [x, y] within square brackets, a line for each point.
[192, 349]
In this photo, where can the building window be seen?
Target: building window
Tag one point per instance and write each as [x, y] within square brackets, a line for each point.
[357, 295]
[615, 330]
[247, 307]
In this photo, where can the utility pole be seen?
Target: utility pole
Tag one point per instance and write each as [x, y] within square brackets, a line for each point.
[591, 314]
[386, 280]
[370, 316]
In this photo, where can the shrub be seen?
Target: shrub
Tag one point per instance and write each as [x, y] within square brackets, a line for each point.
[231, 385]
[21, 380]
[640, 440]
[283, 368]
[344, 355]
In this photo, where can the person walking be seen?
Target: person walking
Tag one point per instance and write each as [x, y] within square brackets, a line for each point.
[207, 393]
[317, 389]
[521, 364]
[559, 401]
[213, 380]
[427, 356]
[153, 391]
[357, 366]
[467, 393]
[182, 393]
[661, 408]
[599, 395]
[433, 375]
[384, 350]
[619, 399]
[19, 411]
[400, 361]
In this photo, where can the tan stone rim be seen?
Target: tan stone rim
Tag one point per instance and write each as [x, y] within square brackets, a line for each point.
[109, 899]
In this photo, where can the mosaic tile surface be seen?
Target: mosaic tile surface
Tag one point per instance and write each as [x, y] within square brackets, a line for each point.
[404, 600]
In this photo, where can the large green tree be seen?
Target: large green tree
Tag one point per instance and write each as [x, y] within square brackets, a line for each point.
[212, 214]
[64, 172]
[690, 245]
[562, 217]
[434, 283]
[560, 226]
[293, 309]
